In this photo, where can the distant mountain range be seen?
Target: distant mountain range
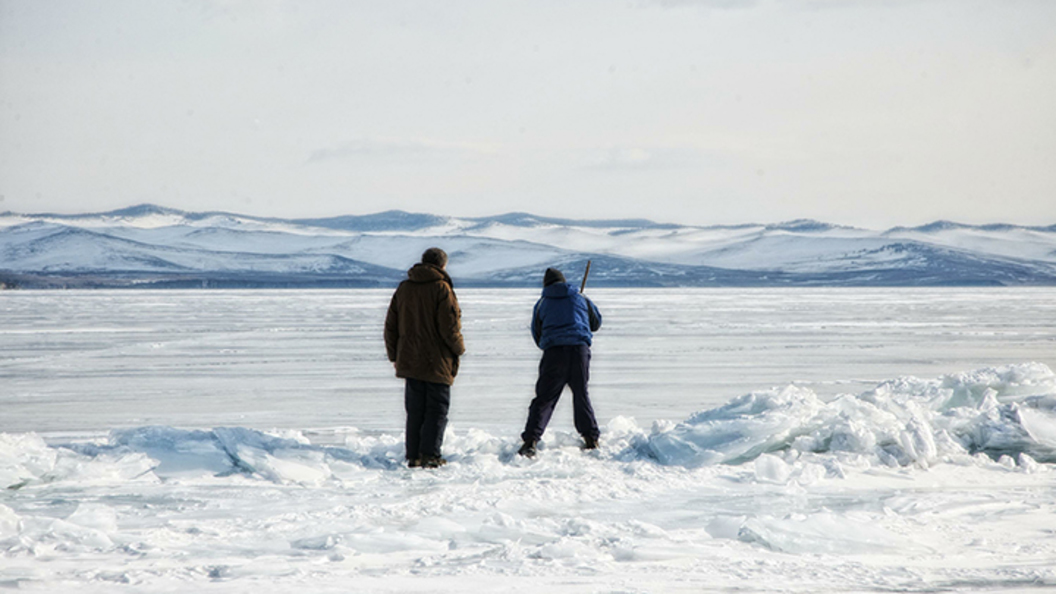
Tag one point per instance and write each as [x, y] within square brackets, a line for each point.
[153, 246]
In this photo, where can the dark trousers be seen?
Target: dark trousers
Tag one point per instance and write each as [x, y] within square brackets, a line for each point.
[562, 366]
[426, 404]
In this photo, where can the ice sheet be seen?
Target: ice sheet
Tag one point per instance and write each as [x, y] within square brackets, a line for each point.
[93, 361]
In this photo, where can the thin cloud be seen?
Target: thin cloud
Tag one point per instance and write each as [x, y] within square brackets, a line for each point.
[636, 158]
[397, 149]
[719, 4]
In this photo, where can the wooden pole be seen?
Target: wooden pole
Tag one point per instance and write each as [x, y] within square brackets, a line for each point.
[586, 273]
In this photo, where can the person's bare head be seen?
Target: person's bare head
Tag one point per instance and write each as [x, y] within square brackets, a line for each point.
[435, 256]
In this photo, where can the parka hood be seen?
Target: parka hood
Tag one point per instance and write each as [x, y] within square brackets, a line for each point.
[559, 290]
[428, 273]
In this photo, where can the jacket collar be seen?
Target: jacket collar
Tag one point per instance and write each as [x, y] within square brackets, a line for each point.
[428, 273]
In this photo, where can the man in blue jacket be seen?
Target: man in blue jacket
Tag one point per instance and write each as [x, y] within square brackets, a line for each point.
[562, 325]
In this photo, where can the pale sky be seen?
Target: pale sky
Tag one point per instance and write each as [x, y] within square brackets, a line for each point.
[872, 114]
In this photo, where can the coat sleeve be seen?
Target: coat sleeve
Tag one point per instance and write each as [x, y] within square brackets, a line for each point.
[392, 328]
[537, 323]
[594, 315]
[449, 322]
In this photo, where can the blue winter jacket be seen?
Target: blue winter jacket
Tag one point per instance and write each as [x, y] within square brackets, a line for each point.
[564, 317]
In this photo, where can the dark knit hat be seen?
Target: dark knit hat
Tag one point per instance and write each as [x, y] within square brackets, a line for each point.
[552, 276]
[435, 256]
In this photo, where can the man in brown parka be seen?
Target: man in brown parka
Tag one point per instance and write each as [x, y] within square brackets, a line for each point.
[423, 337]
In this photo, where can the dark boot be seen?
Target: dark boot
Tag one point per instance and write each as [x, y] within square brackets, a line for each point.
[527, 449]
[433, 462]
[590, 443]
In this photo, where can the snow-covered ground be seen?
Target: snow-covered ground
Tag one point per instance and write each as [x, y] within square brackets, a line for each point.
[762, 440]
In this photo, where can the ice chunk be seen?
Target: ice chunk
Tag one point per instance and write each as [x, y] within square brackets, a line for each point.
[94, 515]
[901, 422]
[179, 453]
[820, 533]
[67, 535]
[324, 542]
[771, 469]
[1027, 464]
[741, 430]
[279, 459]
[726, 527]
[8, 522]
[24, 458]
[1039, 424]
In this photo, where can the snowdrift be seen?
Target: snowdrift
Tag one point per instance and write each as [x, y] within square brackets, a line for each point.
[1006, 411]
[1005, 414]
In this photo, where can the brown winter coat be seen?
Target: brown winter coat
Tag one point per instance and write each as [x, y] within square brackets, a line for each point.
[423, 329]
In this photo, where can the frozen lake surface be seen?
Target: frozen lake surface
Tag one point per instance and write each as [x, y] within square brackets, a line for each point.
[93, 361]
[753, 440]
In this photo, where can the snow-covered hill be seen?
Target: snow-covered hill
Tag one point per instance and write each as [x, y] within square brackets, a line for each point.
[150, 245]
